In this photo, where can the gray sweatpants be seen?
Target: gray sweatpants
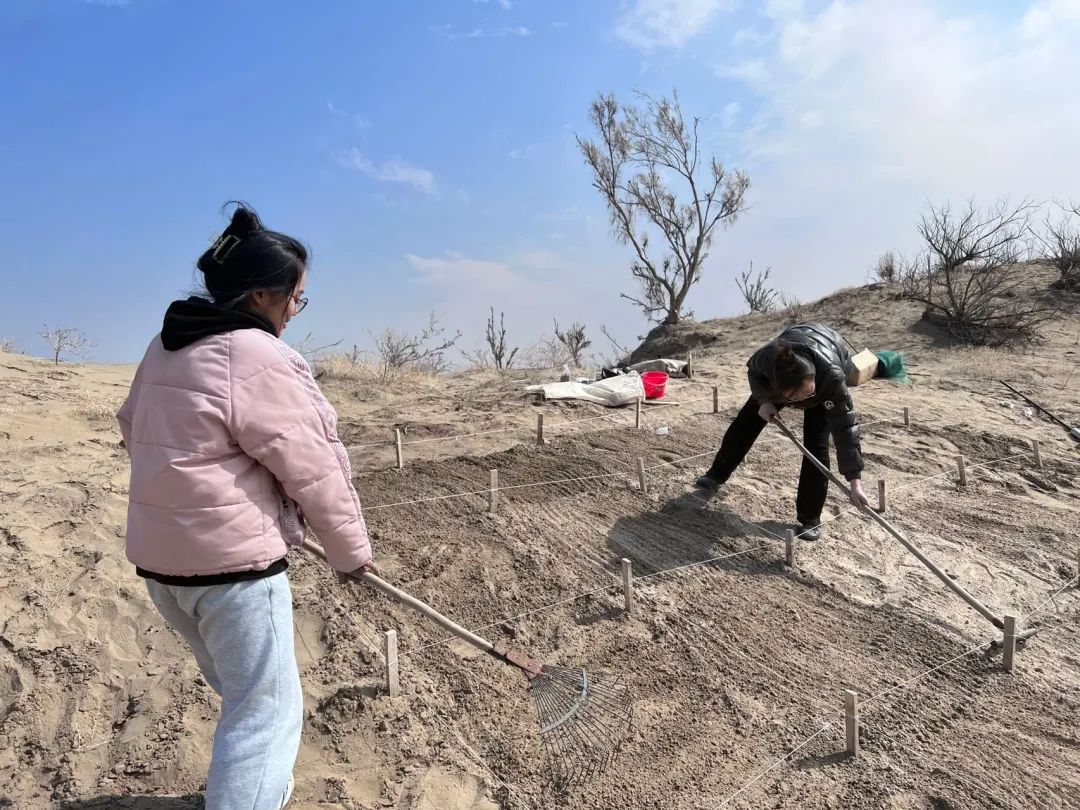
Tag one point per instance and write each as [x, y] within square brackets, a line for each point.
[242, 637]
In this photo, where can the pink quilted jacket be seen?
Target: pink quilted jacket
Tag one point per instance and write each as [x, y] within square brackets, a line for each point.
[227, 436]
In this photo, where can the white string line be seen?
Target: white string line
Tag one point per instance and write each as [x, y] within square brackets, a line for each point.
[498, 489]
[774, 440]
[775, 765]
[565, 480]
[1057, 458]
[1061, 590]
[555, 426]
[431, 439]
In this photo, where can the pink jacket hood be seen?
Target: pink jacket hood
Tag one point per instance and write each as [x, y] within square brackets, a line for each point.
[233, 447]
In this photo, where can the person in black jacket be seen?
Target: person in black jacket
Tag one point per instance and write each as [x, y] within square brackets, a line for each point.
[806, 367]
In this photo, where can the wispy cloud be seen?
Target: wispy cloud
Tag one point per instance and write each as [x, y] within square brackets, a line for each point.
[448, 32]
[394, 170]
[460, 272]
[523, 151]
[357, 121]
[652, 24]
[503, 4]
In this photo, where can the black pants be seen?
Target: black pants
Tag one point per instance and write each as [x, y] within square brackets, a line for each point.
[743, 432]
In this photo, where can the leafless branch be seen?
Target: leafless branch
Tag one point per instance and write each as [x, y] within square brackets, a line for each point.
[756, 292]
[968, 273]
[641, 153]
[67, 341]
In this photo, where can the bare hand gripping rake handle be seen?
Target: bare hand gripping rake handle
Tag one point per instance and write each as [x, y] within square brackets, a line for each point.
[582, 722]
[953, 585]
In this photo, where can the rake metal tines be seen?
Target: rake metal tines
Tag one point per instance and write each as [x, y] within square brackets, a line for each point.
[582, 722]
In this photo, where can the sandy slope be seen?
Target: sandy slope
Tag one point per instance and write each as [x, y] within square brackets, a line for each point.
[731, 663]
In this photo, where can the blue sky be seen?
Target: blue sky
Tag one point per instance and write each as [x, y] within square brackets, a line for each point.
[425, 150]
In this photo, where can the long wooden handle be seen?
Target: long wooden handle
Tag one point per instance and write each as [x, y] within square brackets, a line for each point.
[411, 601]
[1073, 431]
[881, 521]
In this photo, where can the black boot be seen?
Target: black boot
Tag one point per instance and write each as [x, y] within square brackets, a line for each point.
[809, 530]
[707, 482]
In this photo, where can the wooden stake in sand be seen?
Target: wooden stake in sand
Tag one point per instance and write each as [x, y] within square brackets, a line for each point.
[1037, 452]
[540, 429]
[637, 413]
[907, 417]
[1008, 647]
[881, 496]
[789, 548]
[642, 483]
[689, 364]
[963, 470]
[400, 455]
[392, 682]
[628, 584]
[716, 399]
[851, 721]
[493, 492]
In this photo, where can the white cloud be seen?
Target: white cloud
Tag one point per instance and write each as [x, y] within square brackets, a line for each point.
[731, 114]
[750, 37]
[859, 112]
[394, 170]
[503, 4]
[448, 32]
[523, 151]
[654, 24]
[461, 273]
[357, 121]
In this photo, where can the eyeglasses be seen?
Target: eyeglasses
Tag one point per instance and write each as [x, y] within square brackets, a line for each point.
[299, 304]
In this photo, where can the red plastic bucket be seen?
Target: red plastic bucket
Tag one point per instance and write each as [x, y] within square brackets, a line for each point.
[655, 383]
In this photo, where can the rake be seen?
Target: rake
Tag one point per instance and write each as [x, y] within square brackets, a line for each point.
[582, 721]
[952, 584]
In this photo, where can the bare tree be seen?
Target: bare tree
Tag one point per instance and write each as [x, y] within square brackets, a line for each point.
[8, 345]
[792, 306]
[641, 154]
[967, 274]
[574, 340]
[756, 292]
[426, 351]
[548, 352]
[67, 341]
[1060, 246]
[502, 357]
[887, 268]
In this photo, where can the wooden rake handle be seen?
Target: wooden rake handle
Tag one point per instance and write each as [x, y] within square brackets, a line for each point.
[956, 588]
[422, 608]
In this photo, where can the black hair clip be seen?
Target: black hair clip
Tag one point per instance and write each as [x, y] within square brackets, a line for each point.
[223, 247]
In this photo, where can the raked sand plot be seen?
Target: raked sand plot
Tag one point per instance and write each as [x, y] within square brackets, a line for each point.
[737, 662]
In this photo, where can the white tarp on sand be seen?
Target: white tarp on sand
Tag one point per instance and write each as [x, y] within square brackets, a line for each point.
[613, 392]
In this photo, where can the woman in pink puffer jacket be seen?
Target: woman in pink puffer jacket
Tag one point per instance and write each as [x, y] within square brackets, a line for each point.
[233, 448]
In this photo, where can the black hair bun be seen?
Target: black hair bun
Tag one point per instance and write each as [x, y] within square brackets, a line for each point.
[244, 223]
